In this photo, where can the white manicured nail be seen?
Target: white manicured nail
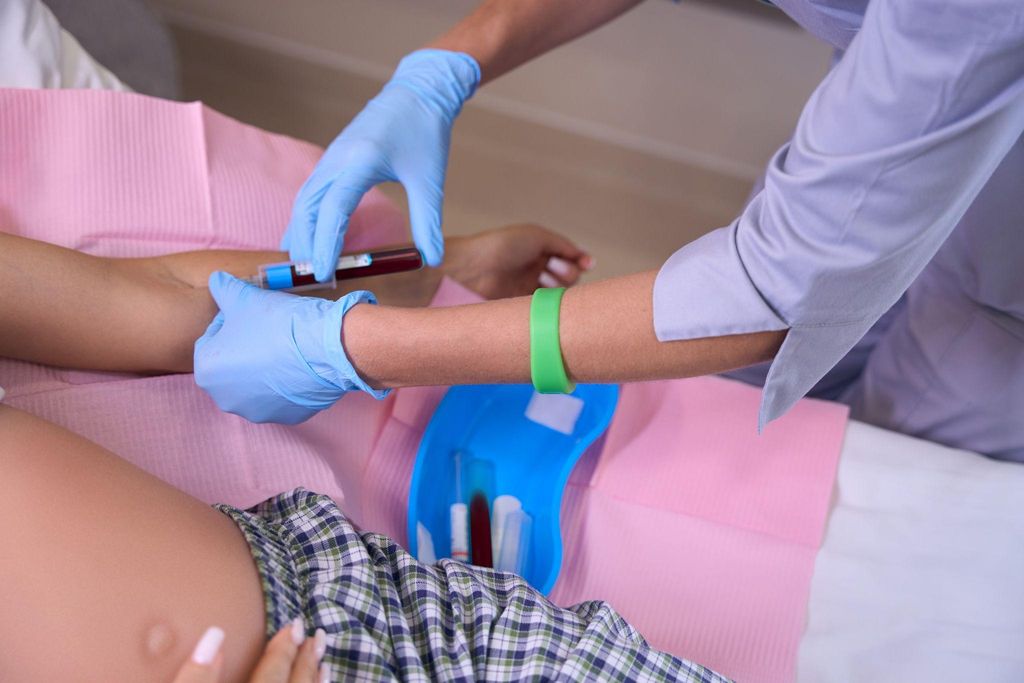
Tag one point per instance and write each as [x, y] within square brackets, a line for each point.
[320, 643]
[546, 279]
[298, 631]
[559, 267]
[325, 674]
[208, 646]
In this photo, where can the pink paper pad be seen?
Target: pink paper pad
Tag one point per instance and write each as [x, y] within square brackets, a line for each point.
[702, 533]
[126, 175]
[687, 498]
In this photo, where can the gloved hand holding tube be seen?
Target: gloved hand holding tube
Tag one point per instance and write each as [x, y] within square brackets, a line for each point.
[275, 357]
[401, 135]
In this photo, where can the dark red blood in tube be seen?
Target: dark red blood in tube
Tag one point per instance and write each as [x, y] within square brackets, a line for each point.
[480, 530]
[382, 262]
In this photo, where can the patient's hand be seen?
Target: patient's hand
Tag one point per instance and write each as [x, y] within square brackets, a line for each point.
[290, 657]
[514, 260]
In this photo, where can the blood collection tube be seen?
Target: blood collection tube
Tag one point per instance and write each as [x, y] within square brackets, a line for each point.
[297, 276]
[459, 520]
[480, 531]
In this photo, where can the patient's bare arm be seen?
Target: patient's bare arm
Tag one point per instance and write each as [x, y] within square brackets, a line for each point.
[65, 308]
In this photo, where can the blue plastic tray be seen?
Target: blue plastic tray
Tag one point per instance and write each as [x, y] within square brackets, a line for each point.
[531, 461]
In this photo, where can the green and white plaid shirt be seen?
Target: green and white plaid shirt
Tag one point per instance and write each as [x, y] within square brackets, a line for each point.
[390, 618]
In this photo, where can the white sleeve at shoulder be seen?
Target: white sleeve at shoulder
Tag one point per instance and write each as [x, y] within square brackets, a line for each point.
[35, 52]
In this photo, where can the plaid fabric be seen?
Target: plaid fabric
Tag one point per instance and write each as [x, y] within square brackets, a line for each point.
[390, 618]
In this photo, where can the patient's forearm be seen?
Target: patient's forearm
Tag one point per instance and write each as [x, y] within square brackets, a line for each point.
[65, 308]
[62, 307]
[606, 330]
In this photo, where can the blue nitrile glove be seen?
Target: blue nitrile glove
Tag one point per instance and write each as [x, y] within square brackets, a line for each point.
[275, 357]
[402, 134]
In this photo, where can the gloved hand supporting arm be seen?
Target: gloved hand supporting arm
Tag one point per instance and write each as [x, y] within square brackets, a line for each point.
[292, 366]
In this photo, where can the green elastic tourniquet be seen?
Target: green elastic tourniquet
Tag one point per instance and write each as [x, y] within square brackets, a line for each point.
[546, 367]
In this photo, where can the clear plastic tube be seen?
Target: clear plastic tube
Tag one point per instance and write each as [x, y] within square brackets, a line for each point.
[513, 554]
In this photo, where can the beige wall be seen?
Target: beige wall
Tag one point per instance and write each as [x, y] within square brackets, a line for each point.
[692, 83]
[632, 141]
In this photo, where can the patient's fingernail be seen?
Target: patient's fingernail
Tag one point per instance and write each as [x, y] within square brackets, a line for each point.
[320, 643]
[298, 631]
[547, 280]
[559, 266]
[325, 674]
[208, 646]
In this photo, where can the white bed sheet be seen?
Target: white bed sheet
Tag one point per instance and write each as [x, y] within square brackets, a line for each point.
[921, 573]
[35, 52]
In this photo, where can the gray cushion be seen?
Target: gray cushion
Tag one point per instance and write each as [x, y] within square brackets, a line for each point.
[128, 38]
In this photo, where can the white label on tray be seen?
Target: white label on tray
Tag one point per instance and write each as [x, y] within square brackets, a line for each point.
[555, 411]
